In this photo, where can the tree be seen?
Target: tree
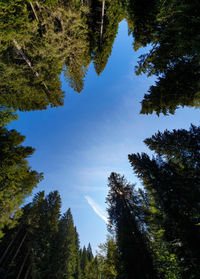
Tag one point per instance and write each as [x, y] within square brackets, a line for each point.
[6, 115]
[104, 33]
[83, 261]
[126, 216]
[27, 248]
[17, 180]
[141, 16]
[107, 258]
[172, 182]
[89, 253]
[92, 269]
[171, 30]
[68, 249]
[178, 86]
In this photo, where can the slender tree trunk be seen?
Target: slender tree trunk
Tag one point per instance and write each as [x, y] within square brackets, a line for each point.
[19, 246]
[28, 62]
[9, 245]
[102, 20]
[34, 11]
[27, 272]
[22, 266]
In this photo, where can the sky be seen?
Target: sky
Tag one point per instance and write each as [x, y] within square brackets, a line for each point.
[80, 144]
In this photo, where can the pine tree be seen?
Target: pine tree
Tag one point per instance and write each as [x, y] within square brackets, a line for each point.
[6, 115]
[27, 248]
[89, 253]
[83, 260]
[171, 28]
[172, 182]
[126, 216]
[107, 258]
[17, 180]
[68, 250]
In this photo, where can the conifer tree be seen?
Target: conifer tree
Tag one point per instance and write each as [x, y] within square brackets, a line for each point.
[89, 253]
[17, 180]
[107, 258]
[27, 248]
[171, 28]
[126, 216]
[172, 182]
[83, 261]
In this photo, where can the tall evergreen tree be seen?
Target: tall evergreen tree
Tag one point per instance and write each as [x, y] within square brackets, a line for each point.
[68, 250]
[27, 248]
[83, 261]
[172, 182]
[107, 258]
[125, 214]
[89, 253]
[171, 29]
[17, 180]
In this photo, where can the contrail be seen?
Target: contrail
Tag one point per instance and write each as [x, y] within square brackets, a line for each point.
[99, 211]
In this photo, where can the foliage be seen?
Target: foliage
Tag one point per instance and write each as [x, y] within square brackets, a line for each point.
[6, 115]
[172, 183]
[170, 28]
[17, 180]
[44, 244]
[127, 217]
[107, 258]
[103, 43]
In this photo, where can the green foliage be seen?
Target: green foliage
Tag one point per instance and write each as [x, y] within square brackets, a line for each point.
[172, 183]
[92, 269]
[103, 43]
[15, 22]
[107, 258]
[171, 30]
[6, 115]
[141, 16]
[50, 36]
[44, 244]
[126, 215]
[17, 180]
[179, 86]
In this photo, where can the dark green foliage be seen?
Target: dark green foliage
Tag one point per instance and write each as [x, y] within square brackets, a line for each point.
[6, 115]
[126, 216]
[92, 270]
[172, 182]
[49, 38]
[179, 86]
[17, 180]
[43, 245]
[107, 258]
[172, 30]
[83, 261]
[141, 16]
[27, 248]
[106, 33]
[68, 252]
[89, 253]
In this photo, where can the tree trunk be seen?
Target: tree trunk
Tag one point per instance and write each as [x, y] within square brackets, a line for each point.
[7, 249]
[27, 272]
[28, 62]
[102, 20]
[19, 246]
[34, 11]
[22, 266]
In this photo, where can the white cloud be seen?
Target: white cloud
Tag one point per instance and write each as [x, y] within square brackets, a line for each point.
[98, 210]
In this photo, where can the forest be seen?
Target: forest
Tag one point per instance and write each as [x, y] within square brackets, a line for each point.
[154, 230]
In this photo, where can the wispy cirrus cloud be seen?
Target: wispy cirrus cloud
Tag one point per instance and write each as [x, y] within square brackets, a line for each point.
[99, 211]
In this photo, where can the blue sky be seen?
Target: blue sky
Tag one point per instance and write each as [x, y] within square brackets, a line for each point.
[79, 144]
